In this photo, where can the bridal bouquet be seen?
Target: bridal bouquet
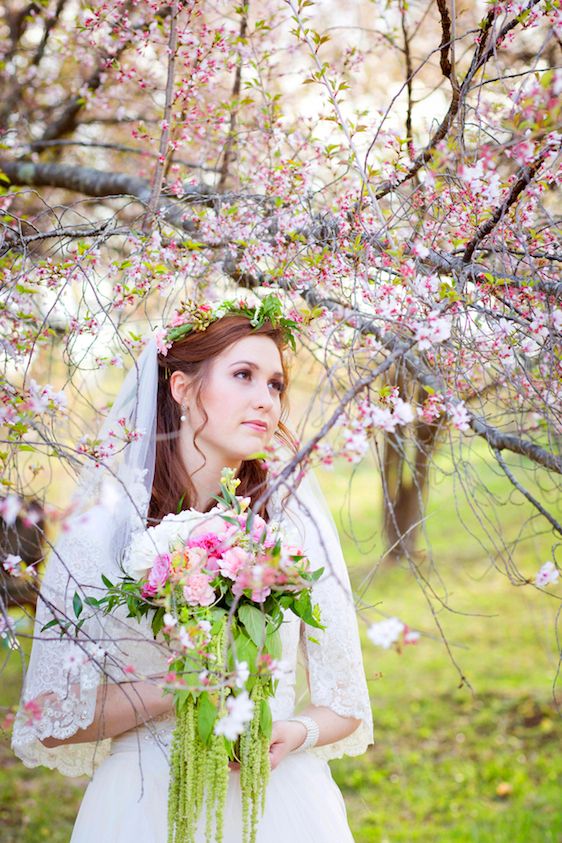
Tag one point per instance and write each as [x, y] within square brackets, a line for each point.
[216, 584]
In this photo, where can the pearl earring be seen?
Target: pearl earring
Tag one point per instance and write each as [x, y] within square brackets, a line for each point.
[183, 416]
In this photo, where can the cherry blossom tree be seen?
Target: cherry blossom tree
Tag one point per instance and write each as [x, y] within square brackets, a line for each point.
[390, 170]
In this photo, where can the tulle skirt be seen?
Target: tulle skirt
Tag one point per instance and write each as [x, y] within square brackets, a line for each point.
[127, 799]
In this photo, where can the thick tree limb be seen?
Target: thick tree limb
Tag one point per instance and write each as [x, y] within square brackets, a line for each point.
[93, 182]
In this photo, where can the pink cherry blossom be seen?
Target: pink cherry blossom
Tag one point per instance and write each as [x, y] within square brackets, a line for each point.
[547, 575]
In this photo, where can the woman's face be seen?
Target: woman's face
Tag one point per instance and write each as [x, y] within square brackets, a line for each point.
[241, 394]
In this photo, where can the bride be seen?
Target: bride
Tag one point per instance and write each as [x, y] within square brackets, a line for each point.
[208, 392]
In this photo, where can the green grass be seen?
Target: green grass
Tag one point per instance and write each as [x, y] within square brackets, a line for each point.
[476, 760]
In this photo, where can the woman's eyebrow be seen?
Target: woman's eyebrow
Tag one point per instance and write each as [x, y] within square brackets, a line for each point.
[255, 366]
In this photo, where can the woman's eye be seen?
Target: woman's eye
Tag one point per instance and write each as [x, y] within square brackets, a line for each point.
[244, 374]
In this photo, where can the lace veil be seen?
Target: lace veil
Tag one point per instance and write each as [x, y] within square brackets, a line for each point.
[65, 673]
[333, 661]
[110, 502]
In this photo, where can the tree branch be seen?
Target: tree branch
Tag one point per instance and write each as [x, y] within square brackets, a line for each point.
[228, 153]
[165, 135]
[67, 121]
[486, 228]
[93, 182]
[481, 56]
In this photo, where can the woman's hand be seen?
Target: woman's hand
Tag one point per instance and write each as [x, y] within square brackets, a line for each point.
[286, 736]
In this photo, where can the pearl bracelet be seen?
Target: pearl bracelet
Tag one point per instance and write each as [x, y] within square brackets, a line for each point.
[312, 732]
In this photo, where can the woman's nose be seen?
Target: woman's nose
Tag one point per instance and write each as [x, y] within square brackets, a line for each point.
[263, 397]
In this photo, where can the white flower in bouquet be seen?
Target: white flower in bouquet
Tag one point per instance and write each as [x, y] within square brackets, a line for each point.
[155, 541]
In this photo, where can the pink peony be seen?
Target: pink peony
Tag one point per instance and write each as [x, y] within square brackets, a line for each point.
[197, 591]
[233, 561]
[158, 575]
[209, 542]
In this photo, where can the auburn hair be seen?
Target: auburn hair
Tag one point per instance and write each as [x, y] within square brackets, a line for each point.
[172, 488]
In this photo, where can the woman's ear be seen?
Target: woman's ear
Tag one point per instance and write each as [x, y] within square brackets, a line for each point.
[179, 386]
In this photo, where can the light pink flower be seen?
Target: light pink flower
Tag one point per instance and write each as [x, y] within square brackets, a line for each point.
[233, 561]
[197, 591]
[460, 417]
[161, 344]
[157, 576]
[34, 712]
[548, 574]
[258, 579]
[196, 558]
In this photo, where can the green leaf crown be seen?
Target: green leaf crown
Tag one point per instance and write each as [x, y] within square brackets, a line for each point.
[198, 317]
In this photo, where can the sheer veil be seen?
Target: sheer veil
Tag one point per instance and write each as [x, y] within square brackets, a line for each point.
[333, 657]
[111, 500]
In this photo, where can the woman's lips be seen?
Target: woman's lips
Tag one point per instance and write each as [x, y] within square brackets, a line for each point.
[260, 427]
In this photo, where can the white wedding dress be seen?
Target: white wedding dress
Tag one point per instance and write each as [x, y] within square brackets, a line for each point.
[126, 800]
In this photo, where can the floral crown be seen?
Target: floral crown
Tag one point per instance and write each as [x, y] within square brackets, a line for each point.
[191, 316]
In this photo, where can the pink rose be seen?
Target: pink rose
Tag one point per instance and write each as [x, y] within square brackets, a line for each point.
[233, 561]
[197, 591]
[259, 528]
[158, 575]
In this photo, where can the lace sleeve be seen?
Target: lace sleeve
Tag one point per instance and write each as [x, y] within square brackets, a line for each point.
[336, 673]
[60, 685]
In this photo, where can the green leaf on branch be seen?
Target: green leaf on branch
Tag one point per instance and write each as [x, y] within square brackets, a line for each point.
[92, 601]
[246, 651]
[273, 644]
[54, 622]
[206, 716]
[254, 621]
[77, 604]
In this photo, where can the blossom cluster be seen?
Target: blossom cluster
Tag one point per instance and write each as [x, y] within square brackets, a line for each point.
[391, 631]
